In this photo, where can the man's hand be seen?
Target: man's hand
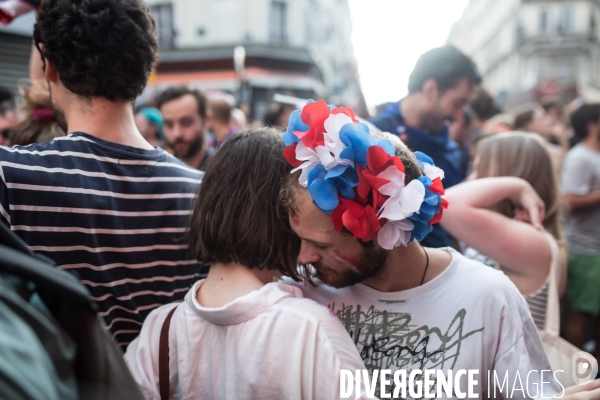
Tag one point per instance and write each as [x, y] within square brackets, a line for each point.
[589, 391]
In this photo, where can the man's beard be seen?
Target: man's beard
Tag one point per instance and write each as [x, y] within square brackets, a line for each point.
[434, 124]
[193, 148]
[371, 261]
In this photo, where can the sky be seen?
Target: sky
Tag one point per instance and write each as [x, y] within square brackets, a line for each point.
[388, 37]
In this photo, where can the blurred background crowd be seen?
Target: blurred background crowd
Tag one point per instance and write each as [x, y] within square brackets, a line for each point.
[240, 64]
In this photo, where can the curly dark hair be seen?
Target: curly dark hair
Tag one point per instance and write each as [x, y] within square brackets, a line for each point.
[99, 48]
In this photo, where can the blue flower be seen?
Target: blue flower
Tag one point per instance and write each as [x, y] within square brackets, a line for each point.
[423, 158]
[326, 186]
[387, 146]
[429, 208]
[295, 124]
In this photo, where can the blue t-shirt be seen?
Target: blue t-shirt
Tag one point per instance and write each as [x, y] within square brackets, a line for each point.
[444, 151]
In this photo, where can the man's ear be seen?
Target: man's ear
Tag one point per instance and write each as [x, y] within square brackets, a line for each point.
[50, 71]
[430, 89]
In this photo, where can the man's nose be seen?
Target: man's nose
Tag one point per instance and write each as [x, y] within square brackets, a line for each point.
[307, 254]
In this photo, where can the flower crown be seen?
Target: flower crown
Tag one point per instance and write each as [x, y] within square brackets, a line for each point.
[359, 180]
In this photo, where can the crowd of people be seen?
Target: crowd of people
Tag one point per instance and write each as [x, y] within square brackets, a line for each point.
[441, 234]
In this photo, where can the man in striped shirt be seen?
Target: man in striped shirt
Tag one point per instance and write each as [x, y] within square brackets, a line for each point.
[101, 202]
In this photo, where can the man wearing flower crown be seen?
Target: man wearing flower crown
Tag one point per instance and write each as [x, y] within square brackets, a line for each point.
[360, 205]
[440, 88]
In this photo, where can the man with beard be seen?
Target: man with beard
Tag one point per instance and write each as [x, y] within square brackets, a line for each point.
[185, 116]
[360, 206]
[101, 201]
[439, 90]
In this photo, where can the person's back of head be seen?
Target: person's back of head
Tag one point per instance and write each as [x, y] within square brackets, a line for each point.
[446, 65]
[554, 107]
[98, 48]
[240, 189]
[582, 117]
[532, 118]
[277, 115]
[221, 110]
[524, 116]
[483, 105]
[526, 156]
[149, 122]
[40, 123]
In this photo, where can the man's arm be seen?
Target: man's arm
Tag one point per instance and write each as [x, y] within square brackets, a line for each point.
[575, 202]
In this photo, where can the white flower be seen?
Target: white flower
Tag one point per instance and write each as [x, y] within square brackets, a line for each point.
[333, 124]
[327, 155]
[403, 201]
[309, 157]
[395, 233]
[432, 172]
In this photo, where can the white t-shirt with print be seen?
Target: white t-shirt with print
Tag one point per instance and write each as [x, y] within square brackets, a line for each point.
[268, 344]
[469, 317]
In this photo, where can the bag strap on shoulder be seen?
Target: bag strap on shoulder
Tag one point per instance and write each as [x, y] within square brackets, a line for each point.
[163, 357]
[552, 323]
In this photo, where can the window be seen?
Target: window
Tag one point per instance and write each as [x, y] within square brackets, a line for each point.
[544, 20]
[278, 28]
[163, 16]
[566, 18]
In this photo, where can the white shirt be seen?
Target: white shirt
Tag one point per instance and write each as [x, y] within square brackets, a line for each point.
[268, 344]
[468, 317]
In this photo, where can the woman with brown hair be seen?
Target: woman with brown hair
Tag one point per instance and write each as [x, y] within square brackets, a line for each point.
[238, 334]
[508, 217]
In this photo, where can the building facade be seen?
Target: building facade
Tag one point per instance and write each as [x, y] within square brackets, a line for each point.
[531, 49]
[300, 48]
[15, 42]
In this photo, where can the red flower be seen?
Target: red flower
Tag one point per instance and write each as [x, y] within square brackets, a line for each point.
[368, 182]
[345, 110]
[436, 186]
[360, 220]
[290, 155]
[314, 115]
[438, 217]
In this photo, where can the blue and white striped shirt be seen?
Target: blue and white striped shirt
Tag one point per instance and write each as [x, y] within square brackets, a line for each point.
[113, 214]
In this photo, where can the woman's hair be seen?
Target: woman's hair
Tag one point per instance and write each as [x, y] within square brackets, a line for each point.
[39, 125]
[238, 215]
[526, 156]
